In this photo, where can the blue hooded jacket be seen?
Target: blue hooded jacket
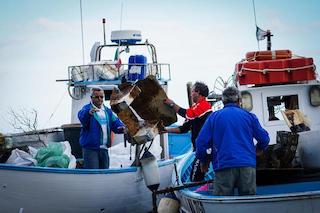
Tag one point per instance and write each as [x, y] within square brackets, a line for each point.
[91, 132]
[230, 132]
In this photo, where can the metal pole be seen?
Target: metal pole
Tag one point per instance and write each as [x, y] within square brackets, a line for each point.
[187, 185]
[137, 155]
[269, 40]
[82, 32]
[176, 171]
[189, 89]
[104, 30]
[154, 201]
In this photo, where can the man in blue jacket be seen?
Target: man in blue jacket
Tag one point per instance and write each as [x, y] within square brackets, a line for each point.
[97, 121]
[229, 132]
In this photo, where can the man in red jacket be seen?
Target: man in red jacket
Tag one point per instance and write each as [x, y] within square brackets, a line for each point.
[195, 116]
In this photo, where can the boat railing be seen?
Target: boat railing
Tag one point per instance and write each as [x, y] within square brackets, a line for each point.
[112, 71]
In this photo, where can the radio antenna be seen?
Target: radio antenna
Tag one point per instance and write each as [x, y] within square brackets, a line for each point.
[82, 32]
[121, 15]
[104, 30]
[255, 19]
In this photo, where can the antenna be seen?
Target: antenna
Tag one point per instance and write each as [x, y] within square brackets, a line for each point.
[104, 30]
[255, 19]
[121, 15]
[121, 12]
[82, 32]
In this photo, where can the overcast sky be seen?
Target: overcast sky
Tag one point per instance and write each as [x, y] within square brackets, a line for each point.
[200, 39]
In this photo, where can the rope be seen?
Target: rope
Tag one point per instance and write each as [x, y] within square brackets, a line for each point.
[274, 55]
[264, 71]
[56, 107]
[70, 94]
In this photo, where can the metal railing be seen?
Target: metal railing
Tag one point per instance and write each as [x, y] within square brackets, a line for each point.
[113, 71]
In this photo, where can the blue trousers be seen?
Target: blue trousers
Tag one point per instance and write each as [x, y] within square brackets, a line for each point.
[95, 159]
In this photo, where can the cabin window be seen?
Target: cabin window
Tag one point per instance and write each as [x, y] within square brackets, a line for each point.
[246, 101]
[276, 104]
[314, 95]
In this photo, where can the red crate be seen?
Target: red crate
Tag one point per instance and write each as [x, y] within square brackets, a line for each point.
[303, 74]
[269, 71]
[248, 77]
[275, 76]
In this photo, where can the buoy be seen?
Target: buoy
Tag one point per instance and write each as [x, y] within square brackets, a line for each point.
[150, 171]
[169, 204]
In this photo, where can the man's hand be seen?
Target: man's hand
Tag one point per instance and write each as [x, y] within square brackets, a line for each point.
[259, 152]
[204, 167]
[169, 102]
[93, 110]
[163, 131]
[123, 129]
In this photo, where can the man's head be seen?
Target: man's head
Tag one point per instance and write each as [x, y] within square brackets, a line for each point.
[231, 95]
[199, 89]
[97, 96]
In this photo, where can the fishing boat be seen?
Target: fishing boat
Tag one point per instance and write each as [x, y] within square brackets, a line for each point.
[273, 84]
[122, 188]
[301, 196]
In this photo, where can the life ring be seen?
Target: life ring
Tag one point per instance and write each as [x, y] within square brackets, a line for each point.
[268, 55]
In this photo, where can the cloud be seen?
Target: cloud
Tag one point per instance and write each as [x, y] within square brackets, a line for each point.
[276, 21]
[50, 25]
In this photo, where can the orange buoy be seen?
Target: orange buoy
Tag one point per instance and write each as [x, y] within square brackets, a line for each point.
[268, 55]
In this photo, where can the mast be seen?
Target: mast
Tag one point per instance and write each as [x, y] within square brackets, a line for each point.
[268, 35]
[82, 42]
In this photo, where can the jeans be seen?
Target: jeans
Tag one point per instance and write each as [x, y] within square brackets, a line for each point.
[95, 159]
[243, 178]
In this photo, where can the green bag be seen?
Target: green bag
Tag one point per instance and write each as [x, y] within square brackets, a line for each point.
[57, 161]
[52, 156]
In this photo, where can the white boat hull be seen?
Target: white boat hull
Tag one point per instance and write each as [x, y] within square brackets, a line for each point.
[292, 197]
[33, 189]
[294, 203]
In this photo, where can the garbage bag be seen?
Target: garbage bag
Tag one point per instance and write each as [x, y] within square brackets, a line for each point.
[21, 158]
[52, 156]
[56, 161]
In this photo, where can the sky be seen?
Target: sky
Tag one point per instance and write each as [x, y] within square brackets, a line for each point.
[201, 39]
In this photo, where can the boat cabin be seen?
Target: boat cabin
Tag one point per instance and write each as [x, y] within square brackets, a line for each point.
[267, 102]
[127, 59]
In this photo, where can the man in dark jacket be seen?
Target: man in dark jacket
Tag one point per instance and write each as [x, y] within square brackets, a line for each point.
[195, 116]
[229, 132]
[97, 121]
